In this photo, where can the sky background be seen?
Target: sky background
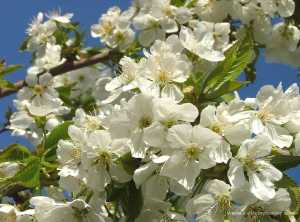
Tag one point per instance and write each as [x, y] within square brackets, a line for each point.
[15, 15]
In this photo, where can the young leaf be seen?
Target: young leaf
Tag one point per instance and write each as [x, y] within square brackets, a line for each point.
[237, 58]
[64, 94]
[9, 69]
[226, 88]
[15, 152]
[283, 162]
[58, 133]
[4, 84]
[29, 176]
[24, 44]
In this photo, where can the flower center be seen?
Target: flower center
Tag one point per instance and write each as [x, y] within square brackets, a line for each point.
[92, 123]
[104, 158]
[250, 164]
[163, 77]
[107, 28]
[192, 151]
[216, 128]
[264, 115]
[254, 212]
[38, 89]
[169, 123]
[119, 37]
[145, 121]
[81, 78]
[76, 153]
[286, 32]
[224, 203]
[168, 11]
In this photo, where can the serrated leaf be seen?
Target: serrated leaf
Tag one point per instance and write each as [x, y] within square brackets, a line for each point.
[4, 84]
[226, 88]
[29, 176]
[238, 57]
[9, 69]
[284, 162]
[58, 133]
[15, 152]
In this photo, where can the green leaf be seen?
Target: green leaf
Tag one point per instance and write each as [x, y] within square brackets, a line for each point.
[58, 133]
[114, 191]
[226, 88]
[9, 69]
[238, 57]
[131, 201]
[294, 191]
[24, 44]
[4, 84]
[61, 37]
[64, 94]
[128, 163]
[178, 3]
[29, 176]
[284, 162]
[15, 152]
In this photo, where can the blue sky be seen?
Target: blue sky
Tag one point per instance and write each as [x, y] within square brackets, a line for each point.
[15, 16]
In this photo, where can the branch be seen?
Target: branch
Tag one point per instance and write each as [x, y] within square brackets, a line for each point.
[63, 68]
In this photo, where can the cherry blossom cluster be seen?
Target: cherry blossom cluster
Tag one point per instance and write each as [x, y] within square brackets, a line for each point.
[205, 26]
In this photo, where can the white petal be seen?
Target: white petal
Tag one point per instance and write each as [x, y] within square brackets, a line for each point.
[169, 25]
[155, 135]
[259, 188]
[221, 153]
[257, 126]
[217, 187]
[236, 174]
[204, 136]
[204, 160]
[172, 91]
[138, 150]
[208, 116]
[143, 173]
[278, 135]
[119, 174]
[100, 139]
[113, 84]
[200, 204]
[237, 134]
[180, 135]
[180, 170]
[146, 37]
[187, 112]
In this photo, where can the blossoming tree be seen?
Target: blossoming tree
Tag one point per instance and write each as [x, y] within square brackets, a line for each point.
[148, 125]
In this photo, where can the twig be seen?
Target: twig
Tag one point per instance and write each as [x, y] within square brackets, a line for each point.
[68, 66]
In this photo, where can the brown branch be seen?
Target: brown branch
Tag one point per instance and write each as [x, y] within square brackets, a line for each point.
[63, 68]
